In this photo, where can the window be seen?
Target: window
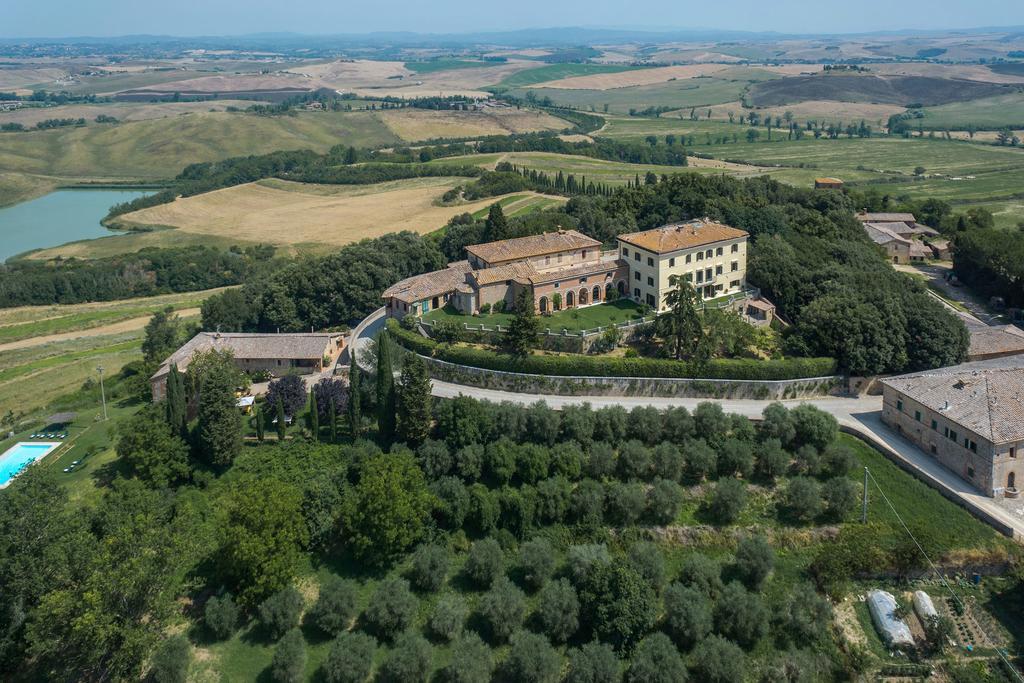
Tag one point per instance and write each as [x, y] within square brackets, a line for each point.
[718, 252]
[700, 255]
[970, 472]
[700, 276]
[559, 258]
[1013, 452]
[650, 281]
[734, 284]
[625, 251]
[636, 257]
[935, 425]
[934, 449]
[650, 300]
[709, 253]
[547, 260]
[718, 270]
[708, 274]
[952, 435]
[636, 292]
[972, 446]
[734, 266]
[650, 261]
[584, 253]
[735, 248]
[917, 415]
[688, 258]
[899, 406]
[636, 275]
[672, 262]
[557, 284]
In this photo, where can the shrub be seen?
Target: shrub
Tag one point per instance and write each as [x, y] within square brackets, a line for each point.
[663, 501]
[617, 604]
[582, 559]
[610, 424]
[772, 459]
[500, 460]
[559, 610]
[171, 660]
[701, 460]
[448, 617]
[484, 508]
[625, 503]
[578, 423]
[600, 461]
[469, 462]
[644, 424]
[805, 617]
[350, 658]
[740, 615]
[727, 501]
[567, 459]
[701, 573]
[667, 461]
[408, 661]
[687, 614]
[453, 502]
[656, 660]
[840, 497]
[813, 427]
[803, 498]
[553, 499]
[221, 616]
[646, 558]
[289, 662]
[718, 661]
[735, 457]
[429, 567]
[335, 607]
[593, 663]
[485, 562]
[280, 612]
[532, 462]
[531, 659]
[754, 561]
[634, 461]
[434, 458]
[292, 392]
[838, 461]
[587, 503]
[536, 562]
[392, 608]
[502, 609]
[471, 661]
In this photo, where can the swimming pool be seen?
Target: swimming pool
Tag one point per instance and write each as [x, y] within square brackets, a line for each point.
[20, 455]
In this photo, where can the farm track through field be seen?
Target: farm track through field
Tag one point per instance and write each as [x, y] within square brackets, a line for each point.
[129, 325]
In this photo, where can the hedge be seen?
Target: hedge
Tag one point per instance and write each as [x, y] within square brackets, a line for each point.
[599, 366]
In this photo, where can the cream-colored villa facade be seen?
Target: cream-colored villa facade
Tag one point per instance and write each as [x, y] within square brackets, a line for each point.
[567, 269]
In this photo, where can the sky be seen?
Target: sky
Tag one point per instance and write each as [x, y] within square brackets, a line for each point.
[55, 18]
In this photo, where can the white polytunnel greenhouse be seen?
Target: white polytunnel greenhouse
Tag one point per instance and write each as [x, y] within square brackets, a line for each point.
[893, 630]
[924, 607]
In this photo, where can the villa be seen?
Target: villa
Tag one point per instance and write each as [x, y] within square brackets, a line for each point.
[567, 269]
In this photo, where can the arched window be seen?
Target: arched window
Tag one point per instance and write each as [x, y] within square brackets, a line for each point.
[621, 286]
[570, 299]
[543, 304]
[597, 293]
[1011, 480]
[583, 296]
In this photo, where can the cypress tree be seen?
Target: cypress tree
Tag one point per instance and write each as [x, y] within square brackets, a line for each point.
[220, 424]
[259, 424]
[314, 416]
[414, 402]
[385, 389]
[280, 420]
[334, 421]
[355, 415]
[177, 405]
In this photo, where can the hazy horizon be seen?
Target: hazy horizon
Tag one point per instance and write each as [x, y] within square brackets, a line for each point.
[199, 18]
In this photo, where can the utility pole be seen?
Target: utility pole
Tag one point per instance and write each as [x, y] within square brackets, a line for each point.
[864, 505]
[103, 393]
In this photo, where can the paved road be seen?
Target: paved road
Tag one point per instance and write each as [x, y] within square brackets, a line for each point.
[936, 275]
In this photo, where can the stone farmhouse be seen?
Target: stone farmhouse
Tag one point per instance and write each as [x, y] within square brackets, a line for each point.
[902, 238]
[278, 354]
[969, 417]
[567, 269]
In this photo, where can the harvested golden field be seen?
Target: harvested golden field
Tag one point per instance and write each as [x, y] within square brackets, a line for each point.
[21, 76]
[280, 212]
[425, 124]
[232, 83]
[626, 79]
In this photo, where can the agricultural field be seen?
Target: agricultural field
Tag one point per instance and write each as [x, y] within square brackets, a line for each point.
[122, 111]
[988, 113]
[430, 66]
[425, 124]
[49, 351]
[902, 90]
[554, 72]
[694, 92]
[266, 211]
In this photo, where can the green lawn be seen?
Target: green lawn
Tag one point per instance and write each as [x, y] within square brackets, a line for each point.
[586, 318]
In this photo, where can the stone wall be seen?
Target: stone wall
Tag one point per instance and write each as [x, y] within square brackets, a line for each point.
[632, 386]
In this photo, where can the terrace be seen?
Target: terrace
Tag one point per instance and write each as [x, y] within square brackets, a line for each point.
[574, 319]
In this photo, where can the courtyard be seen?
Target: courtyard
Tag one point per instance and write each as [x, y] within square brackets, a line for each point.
[572, 319]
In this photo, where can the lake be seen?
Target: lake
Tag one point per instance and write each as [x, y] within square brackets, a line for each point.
[59, 217]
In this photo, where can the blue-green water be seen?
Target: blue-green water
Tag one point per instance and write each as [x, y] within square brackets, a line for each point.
[59, 217]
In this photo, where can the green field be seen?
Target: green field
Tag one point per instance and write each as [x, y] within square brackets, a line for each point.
[554, 72]
[161, 148]
[989, 113]
[692, 92]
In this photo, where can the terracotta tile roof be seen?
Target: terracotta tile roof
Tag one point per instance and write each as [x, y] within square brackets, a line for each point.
[1001, 339]
[669, 238]
[919, 249]
[886, 217]
[428, 285]
[880, 234]
[520, 272]
[245, 345]
[604, 265]
[988, 401]
[533, 245]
